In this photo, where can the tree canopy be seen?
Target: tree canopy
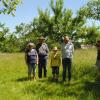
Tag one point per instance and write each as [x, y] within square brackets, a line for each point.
[53, 24]
[8, 6]
[92, 9]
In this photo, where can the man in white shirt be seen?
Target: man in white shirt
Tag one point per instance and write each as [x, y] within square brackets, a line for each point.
[67, 49]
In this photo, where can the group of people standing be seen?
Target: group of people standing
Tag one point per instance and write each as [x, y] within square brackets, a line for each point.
[39, 55]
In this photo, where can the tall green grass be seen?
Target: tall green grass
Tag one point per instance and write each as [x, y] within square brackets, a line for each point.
[15, 86]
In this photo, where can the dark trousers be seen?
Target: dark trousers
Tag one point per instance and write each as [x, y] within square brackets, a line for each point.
[67, 64]
[42, 65]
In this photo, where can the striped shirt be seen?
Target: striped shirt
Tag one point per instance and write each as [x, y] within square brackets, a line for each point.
[32, 56]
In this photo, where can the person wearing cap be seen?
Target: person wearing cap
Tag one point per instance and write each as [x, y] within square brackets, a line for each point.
[31, 58]
[98, 56]
[43, 50]
[67, 49]
[55, 62]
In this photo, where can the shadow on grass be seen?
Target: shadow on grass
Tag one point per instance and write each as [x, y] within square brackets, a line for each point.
[50, 80]
[50, 88]
[86, 90]
[22, 79]
[80, 89]
[91, 90]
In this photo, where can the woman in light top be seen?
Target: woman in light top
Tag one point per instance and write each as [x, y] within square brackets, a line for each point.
[31, 58]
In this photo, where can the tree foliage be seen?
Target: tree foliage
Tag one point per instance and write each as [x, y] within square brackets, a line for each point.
[53, 24]
[92, 34]
[60, 23]
[92, 9]
[8, 6]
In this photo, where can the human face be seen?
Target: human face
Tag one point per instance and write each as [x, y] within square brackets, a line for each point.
[54, 51]
[41, 40]
[66, 40]
[30, 47]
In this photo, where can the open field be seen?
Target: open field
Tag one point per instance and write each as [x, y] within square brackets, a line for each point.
[15, 86]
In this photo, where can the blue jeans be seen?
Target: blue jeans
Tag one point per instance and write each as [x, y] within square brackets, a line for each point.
[67, 64]
[42, 65]
[31, 69]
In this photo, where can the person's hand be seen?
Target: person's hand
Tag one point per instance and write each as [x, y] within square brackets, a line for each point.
[37, 62]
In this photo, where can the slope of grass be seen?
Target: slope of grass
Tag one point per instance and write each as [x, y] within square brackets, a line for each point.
[15, 86]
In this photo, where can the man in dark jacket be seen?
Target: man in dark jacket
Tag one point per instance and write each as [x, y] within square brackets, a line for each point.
[42, 49]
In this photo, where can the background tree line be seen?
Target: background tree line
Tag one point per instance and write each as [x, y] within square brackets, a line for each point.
[52, 25]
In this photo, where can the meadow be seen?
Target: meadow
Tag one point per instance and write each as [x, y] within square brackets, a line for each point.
[15, 86]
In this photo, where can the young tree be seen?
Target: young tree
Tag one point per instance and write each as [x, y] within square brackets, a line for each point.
[59, 23]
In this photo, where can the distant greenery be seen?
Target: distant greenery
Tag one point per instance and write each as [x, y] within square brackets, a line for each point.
[15, 86]
[53, 27]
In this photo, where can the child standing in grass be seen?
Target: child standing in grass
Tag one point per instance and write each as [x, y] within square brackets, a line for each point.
[31, 58]
[55, 63]
[98, 56]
